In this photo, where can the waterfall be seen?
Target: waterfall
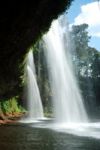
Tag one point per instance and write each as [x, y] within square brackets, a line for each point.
[67, 100]
[34, 104]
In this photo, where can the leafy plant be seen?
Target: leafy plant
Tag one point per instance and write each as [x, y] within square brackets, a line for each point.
[11, 106]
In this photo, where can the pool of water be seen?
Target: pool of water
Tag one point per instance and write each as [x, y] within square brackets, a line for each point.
[35, 136]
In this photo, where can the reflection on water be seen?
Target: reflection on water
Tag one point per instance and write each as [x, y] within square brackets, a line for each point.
[25, 137]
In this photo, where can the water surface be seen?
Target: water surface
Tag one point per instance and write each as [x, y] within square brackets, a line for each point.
[26, 137]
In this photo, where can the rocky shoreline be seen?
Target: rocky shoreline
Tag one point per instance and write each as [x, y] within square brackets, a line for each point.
[10, 117]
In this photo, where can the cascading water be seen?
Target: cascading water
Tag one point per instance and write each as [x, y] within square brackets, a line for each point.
[68, 104]
[34, 103]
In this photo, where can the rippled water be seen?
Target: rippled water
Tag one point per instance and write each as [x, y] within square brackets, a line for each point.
[30, 137]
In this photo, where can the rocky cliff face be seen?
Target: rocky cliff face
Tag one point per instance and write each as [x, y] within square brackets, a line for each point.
[21, 24]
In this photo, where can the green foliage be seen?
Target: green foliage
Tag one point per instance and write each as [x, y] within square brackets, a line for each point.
[87, 63]
[11, 106]
[80, 38]
[85, 57]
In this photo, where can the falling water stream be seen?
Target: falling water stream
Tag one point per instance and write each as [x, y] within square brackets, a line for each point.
[34, 103]
[67, 100]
